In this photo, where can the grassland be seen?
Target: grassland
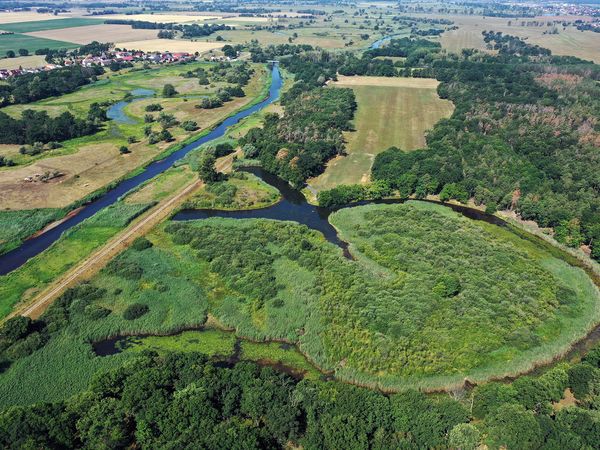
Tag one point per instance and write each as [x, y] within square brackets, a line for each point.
[568, 42]
[391, 112]
[53, 24]
[100, 33]
[18, 41]
[92, 162]
[408, 312]
[15, 226]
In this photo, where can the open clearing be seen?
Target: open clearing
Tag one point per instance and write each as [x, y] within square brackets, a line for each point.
[23, 61]
[161, 18]
[17, 41]
[28, 27]
[25, 16]
[100, 33]
[391, 112]
[172, 45]
[571, 42]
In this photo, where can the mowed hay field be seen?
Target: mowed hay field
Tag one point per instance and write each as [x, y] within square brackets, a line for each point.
[571, 42]
[172, 45]
[391, 112]
[100, 33]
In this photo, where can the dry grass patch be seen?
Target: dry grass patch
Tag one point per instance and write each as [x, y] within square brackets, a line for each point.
[172, 45]
[391, 112]
[100, 33]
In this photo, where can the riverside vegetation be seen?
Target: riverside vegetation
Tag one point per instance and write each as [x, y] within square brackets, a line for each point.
[403, 299]
[281, 280]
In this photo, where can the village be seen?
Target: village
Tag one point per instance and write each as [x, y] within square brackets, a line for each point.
[105, 59]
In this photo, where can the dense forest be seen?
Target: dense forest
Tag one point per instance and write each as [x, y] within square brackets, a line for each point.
[36, 86]
[297, 145]
[524, 134]
[38, 127]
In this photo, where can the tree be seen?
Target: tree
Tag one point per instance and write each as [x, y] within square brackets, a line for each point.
[169, 91]
[23, 52]
[464, 436]
[513, 427]
[10, 54]
[206, 169]
[123, 150]
[229, 51]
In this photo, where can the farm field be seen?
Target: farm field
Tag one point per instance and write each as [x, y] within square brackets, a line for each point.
[22, 61]
[18, 41]
[99, 33]
[287, 278]
[187, 17]
[7, 17]
[569, 42]
[54, 24]
[391, 112]
[91, 162]
[173, 45]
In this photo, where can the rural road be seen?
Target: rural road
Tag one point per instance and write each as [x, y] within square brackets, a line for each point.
[98, 259]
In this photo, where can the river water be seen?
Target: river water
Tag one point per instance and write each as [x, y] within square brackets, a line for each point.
[116, 111]
[32, 247]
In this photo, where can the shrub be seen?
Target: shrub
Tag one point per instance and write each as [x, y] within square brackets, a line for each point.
[141, 243]
[123, 150]
[154, 107]
[135, 311]
[96, 312]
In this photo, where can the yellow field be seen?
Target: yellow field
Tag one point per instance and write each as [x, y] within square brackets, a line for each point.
[100, 33]
[23, 61]
[391, 112]
[162, 18]
[571, 42]
[27, 16]
[172, 45]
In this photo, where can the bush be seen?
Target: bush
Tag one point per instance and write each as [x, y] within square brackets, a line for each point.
[96, 312]
[135, 311]
[141, 243]
[123, 150]
[154, 107]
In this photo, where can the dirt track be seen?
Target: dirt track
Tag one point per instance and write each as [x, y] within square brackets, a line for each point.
[93, 263]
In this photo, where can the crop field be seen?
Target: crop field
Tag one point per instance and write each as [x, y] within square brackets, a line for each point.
[100, 33]
[163, 18]
[172, 45]
[54, 24]
[18, 41]
[23, 61]
[391, 112]
[567, 42]
[380, 321]
[25, 16]
[91, 162]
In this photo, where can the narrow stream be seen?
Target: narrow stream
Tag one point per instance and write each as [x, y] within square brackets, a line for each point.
[32, 247]
[116, 111]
